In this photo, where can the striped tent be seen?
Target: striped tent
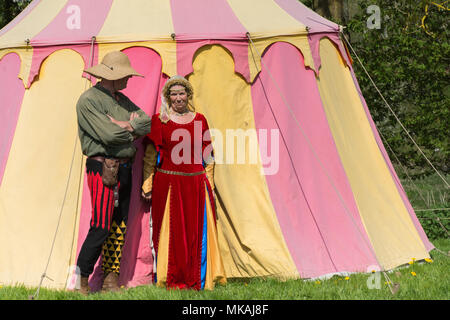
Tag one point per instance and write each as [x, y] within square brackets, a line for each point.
[311, 193]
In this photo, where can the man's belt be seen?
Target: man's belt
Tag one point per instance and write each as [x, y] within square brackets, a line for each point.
[102, 159]
[178, 173]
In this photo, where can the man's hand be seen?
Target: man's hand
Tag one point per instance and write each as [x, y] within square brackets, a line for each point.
[124, 124]
[146, 196]
[134, 115]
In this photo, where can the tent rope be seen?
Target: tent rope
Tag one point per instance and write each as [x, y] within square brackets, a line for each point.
[35, 296]
[319, 161]
[392, 111]
[403, 168]
[401, 124]
[44, 274]
[418, 190]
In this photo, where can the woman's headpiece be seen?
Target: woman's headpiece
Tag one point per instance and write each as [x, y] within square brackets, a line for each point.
[165, 95]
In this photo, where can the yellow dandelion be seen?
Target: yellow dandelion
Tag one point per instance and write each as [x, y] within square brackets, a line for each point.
[387, 282]
[428, 260]
[413, 273]
[317, 282]
[347, 278]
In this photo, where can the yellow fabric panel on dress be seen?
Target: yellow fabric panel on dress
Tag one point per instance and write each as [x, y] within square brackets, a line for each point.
[36, 20]
[148, 168]
[215, 272]
[145, 20]
[250, 238]
[162, 260]
[36, 175]
[385, 217]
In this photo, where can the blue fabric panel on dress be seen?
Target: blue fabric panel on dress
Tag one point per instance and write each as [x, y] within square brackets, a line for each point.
[204, 247]
[154, 272]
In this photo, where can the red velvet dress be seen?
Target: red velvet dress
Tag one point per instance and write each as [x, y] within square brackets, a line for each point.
[179, 206]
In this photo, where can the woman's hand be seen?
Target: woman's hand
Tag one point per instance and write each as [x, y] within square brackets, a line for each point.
[146, 196]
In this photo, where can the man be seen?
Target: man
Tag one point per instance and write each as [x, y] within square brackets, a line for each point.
[108, 123]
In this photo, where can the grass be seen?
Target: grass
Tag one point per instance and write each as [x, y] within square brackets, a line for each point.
[429, 282]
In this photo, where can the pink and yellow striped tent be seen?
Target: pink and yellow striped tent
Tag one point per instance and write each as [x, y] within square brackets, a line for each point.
[320, 197]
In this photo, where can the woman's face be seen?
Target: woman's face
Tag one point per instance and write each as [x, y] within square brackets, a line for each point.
[178, 98]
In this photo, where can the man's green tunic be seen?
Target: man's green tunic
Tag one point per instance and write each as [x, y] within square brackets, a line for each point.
[98, 134]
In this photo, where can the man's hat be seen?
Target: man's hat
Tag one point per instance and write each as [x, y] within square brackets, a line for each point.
[114, 66]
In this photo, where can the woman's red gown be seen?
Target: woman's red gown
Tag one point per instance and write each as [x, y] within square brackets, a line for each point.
[183, 212]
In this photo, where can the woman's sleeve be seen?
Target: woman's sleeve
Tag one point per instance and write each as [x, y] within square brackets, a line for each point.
[208, 153]
[155, 134]
[151, 154]
[150, 157]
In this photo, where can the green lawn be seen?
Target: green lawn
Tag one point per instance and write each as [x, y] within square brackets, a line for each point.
[418, 281]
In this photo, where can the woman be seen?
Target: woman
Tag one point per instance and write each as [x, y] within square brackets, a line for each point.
[178, 178]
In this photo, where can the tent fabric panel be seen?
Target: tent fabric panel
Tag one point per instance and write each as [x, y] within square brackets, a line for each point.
[385, 217]
[308, 17]
[41, 53]
[257, 47]
[137, 260]
[198, 19]
[38, 171]
[166, 50]
[157, 23]
[428, 245]
[66, 28]
[264, 18]
[249, 234]
[34, 22]
[323, 234]
[11, 96]
[26, 57]
[186, 51]
[314, 43]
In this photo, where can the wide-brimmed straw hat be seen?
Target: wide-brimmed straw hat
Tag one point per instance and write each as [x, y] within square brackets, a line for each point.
[114, 66]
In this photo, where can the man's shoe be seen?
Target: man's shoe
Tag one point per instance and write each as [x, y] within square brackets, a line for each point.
[111, 282]
[84, 286]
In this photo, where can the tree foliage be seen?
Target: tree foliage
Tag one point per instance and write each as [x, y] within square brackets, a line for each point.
[9, 9]
[408, 59]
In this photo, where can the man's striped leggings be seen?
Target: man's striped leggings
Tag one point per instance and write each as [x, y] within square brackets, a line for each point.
[108, 221]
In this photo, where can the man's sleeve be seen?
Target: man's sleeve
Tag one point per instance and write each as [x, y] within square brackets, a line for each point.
[142, 124]
[98, 125]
